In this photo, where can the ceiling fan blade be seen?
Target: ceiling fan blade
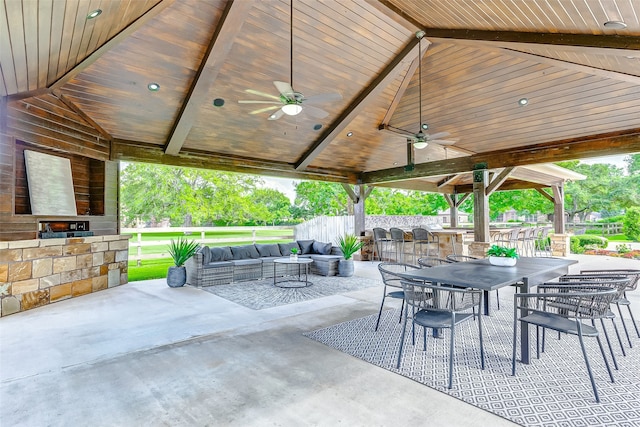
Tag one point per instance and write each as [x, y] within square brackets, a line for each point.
[323, 98]
[276, 115]
[316, 112]
[262, 110]
[284, 89]
[266, 95]
[444, 141]
[242, 101]
[438, 135]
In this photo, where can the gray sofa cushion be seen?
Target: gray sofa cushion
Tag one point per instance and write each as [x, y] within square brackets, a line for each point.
[221, 254]
[285, 248]
[218, 264]
[244, 252]
[324, 258]
[322, 248]
[306, 246]
[270, 250]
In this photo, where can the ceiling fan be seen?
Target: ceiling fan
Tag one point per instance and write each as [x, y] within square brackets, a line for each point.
[420, 140]
[289, 101]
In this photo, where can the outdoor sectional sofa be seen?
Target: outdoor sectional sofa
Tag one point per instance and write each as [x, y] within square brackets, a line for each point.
[228, 264]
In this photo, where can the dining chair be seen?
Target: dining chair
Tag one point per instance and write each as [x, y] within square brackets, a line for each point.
[562, 307]
[397, 241]
[508, 238]
[392, 287]
[380, 241]
[634, 280]
[440, 307]
[431, 261]
[542, 243]
[464, 258]
[617, 282]
[424, 239]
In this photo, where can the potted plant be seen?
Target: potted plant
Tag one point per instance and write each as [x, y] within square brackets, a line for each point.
[180, 250]
[349, 244]
[294, 254]
[502, 256]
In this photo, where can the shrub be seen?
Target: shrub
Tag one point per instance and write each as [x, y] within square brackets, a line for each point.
[631, 224]
[579, 243]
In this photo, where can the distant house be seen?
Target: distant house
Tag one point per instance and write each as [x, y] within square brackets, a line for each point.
[444, 217]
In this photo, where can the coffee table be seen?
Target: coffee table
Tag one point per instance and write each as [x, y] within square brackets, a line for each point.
[300, 262]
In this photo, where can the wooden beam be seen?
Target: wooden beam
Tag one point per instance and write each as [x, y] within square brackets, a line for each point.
[499, 180]
[403, 86]
[558, 209]
[73, 107]
[545, 194]
[352, 195]
[449, 180]
[140, 152]
[613, 41]
[369, 94]
[220, 44]
[111, 43]
[30, 94]
[507, 186]
[569, 149]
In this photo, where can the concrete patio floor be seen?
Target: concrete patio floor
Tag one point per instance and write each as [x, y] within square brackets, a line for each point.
[146, 354]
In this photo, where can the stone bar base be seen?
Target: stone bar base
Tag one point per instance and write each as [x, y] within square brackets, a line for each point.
[560, 245]
[38, 272]
[479, 249]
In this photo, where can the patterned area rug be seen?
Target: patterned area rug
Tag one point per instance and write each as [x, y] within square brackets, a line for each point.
[552, 391]
[262, 294]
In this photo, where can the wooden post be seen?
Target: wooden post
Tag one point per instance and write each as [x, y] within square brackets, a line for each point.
[481, 205]
[358, 194]
[558, 208]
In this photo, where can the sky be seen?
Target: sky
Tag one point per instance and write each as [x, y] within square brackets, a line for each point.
[287, 187]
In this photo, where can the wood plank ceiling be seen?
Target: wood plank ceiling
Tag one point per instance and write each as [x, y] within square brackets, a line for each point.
[581, 80]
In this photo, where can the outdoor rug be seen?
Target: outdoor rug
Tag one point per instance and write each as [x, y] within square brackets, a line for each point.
[261, 294]
[552, 391]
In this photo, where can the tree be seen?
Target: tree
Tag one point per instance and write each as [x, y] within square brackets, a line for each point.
[269, 206]
[314, 198]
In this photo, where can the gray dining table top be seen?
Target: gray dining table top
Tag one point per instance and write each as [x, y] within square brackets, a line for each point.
[479, 274]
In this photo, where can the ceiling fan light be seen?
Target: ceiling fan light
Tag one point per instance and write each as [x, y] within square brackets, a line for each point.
[420, 145]
[292, 109]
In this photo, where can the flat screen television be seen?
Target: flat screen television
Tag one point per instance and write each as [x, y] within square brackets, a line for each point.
[50, 184]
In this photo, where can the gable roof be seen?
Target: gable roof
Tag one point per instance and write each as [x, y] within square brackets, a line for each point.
[479, 59]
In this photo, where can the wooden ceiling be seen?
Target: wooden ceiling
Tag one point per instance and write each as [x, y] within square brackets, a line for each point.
[582, 81]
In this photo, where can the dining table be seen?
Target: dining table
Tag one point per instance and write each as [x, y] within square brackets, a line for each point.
[480, 274]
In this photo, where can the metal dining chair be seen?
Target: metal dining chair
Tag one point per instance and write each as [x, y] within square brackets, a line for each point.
[440, 307]
[562, 307]
[431, 261]
[392, 287]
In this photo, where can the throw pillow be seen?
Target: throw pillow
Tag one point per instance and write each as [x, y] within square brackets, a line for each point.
[306, 246]
[253, 252]
[206, 254]
[241, 252]
[221, 254]
[322, 248]
[268, 250]
[285, 248]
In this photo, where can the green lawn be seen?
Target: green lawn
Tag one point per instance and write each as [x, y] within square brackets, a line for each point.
[149, 269]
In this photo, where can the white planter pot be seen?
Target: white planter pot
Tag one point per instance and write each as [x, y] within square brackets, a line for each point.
[293, 257]
[502, 261]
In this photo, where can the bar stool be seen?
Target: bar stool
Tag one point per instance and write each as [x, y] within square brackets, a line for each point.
[397, 240]
[380, 241]
[423, 239]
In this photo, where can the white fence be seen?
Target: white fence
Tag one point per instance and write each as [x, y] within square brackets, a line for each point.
[324, 228]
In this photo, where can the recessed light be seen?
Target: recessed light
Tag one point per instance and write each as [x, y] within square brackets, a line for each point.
[94, 13]
[153, 87]
[218, 102]
[425, 126]
[395, 163]
[317, 127]
[523, 101]
[615, 25]
[273, 117]
[349, 134]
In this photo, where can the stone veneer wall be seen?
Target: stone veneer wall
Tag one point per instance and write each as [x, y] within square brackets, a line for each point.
[38, 272]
